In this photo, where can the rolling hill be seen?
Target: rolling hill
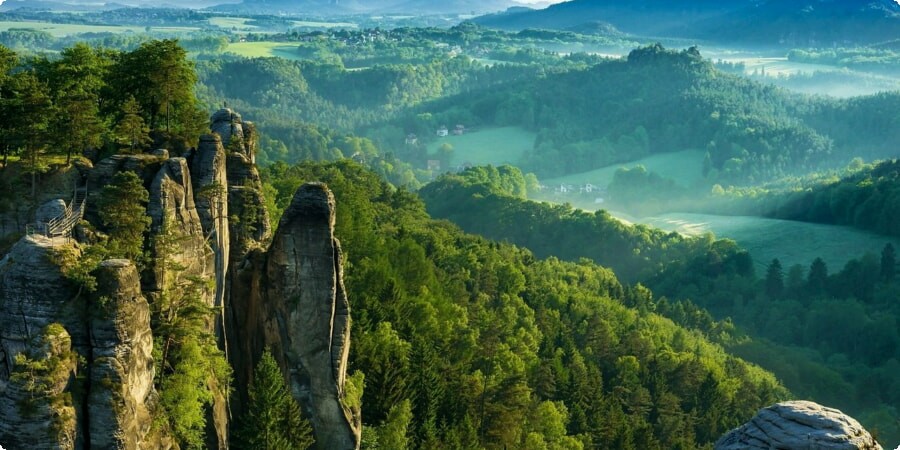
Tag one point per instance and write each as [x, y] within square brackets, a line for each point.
[757, 22]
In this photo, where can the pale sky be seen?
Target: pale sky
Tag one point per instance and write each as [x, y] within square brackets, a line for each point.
[530, 1]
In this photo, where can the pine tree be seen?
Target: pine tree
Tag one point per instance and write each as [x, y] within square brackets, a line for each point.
[131, 130]
[774, 279]
[818, 277]
[273, 420]
[121, 208]
[888, 262]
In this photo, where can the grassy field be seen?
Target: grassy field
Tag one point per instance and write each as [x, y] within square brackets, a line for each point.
[65, 29]
[684, 167]
[791, 242]
[308, 24]
[265, 49]
[494, 146]
[779, 66]
[240, 23]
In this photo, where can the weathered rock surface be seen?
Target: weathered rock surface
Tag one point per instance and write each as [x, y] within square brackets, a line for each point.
[799, 425]
[284, 293]
[306, 291]
[145, 166]
[50, 210]
[172, 204]
[35, 407]
[227, 123]
[33, 294]
[121, 374]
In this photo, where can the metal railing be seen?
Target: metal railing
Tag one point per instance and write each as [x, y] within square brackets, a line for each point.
[62, 225]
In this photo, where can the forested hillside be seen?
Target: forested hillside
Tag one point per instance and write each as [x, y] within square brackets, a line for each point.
[770, 23]
[831, 336]
[659, 100]
[468, 342]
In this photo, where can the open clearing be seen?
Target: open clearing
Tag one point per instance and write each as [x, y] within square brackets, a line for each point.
[684, 167]
[238, 23]
[495, 146]
[778, 66]
[791, 242]
[265, 49]
[68, 29]
[241, 24]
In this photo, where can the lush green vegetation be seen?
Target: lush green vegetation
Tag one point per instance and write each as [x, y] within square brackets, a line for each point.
[874, 59]
[492, 347]
[273, 419]
[845, 321]
[486, 146]
[790, 241]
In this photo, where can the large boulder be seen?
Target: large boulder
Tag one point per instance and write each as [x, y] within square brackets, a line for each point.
[799, 425]
[50, 210]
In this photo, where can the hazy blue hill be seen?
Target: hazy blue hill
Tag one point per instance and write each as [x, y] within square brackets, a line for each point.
[815, 23]
[772, 22]
[638, 17]
[381, 6]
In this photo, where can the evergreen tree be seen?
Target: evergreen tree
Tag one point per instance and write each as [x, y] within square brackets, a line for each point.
[817, 278]
[774, 279]
[31, 110]
[121, 208]
[8, 60]
[888, 262]
[131, 130]
[273, 420]
[77, 79]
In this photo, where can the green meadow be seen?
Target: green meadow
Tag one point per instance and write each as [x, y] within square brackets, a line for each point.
[265, 49]
[67, 29]
[685, 167]
[495, 146]
[791, 242]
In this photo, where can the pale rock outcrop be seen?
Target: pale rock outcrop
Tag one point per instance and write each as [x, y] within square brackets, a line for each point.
[145, 166]
[306, 292]
[50, 210]
[174, 216]
[172, 205]
[799, 425]
[121, 369]
[33, 294]
[35, 405]
[227, 124]
[210, 181]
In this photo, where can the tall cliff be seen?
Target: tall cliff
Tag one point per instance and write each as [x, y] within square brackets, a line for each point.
[83, 358]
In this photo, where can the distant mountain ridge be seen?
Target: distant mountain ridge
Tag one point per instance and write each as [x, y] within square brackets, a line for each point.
[760, 22]
[320, 7]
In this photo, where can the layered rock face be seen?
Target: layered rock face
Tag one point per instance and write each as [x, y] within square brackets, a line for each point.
[121, 375]
[307, 294]
[799, 425]
[286, 294]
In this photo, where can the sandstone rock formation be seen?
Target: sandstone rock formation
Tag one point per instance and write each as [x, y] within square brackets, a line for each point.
[306, 291]
[285, 293]
[50, 210]
[799, 425]
[122, 370]
[35, 405]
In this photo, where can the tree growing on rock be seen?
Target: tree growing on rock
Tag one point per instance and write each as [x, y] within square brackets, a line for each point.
[273, 419]
[122, 210]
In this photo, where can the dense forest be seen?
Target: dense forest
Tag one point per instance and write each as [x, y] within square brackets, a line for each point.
[788, 308]
[465, 342]
[482, 319]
